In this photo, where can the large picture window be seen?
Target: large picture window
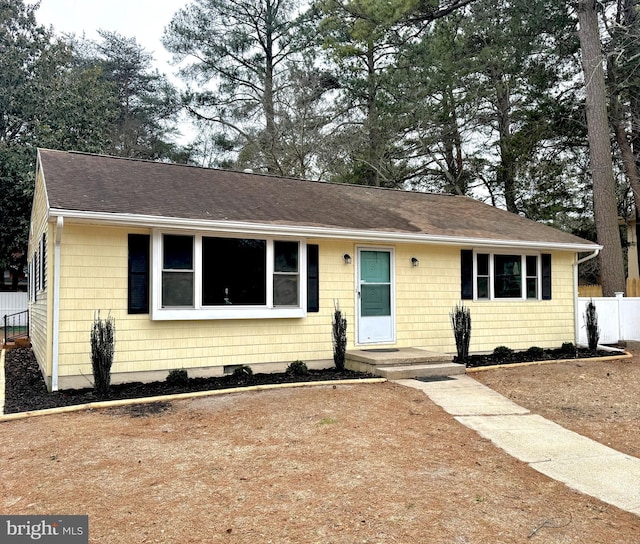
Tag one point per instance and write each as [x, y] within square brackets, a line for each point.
[211, 277]
[233, 271]
[496, 276]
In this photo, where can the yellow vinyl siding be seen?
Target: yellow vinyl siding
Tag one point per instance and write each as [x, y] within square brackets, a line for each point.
[39, 311]
[426, 295]
[94, 277]
[520, 325]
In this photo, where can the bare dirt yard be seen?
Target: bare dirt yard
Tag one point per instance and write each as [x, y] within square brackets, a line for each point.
[376, 463]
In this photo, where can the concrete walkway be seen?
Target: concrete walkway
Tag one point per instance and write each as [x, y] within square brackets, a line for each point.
[579, 462]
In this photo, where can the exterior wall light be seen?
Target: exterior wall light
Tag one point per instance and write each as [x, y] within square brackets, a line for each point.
[347, 258]
[414, 261]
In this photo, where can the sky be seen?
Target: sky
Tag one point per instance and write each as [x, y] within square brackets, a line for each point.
[143, 19]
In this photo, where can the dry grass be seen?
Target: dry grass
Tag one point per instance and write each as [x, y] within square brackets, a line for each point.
[345, 464]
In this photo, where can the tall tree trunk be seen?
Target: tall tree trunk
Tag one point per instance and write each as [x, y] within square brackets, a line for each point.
[452, 141]
[604, 196]
[506, 171]
[628, 141]
[270, 147]
[628, 160]
[373, 130]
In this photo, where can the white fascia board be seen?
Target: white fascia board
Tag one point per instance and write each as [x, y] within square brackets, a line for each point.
[271, 229]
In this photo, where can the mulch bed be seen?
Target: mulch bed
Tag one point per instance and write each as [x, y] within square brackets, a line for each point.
[25, 389]
[529, 356]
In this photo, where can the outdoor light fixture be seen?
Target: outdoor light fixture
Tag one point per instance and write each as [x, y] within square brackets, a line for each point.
[414, 261]
[347, 258]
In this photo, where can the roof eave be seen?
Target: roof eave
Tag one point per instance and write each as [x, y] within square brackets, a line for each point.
[246, 227]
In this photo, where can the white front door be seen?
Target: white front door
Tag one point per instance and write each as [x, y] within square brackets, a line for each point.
[375, 296]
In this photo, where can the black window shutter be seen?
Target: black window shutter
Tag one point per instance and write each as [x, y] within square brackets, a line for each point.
[466, 273]
[139, 273]
[313, 278]
[546, 276]
[43, 275]
[36, 279]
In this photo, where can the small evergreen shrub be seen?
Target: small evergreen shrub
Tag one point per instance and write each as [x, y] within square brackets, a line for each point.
[297, 368]
[339, 330]
[103, 343]
[569, 348]
[591, 322]
[461, 324]
[502, 353]
[242, 373]
[535, 352]
[178, 376]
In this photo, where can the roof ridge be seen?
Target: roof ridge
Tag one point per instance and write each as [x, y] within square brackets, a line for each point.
[262, 174]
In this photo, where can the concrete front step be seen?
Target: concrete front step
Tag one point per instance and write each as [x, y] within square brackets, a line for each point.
[402, 363]
[430, 370]
[389, 357]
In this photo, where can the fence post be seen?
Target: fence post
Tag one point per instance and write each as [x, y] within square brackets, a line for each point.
[619, 296]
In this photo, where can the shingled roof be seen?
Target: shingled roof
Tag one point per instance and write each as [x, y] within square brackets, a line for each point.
[95, 185]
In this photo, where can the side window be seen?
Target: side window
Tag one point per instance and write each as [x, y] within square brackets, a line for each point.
[286, 274]
[482, 275]
[177, 271]
[532, 276]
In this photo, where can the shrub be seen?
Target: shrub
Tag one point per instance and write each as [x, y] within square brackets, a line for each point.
[339, 330]
[591, 321]
[242, 373]
[569, 348]
[297, 368]
[535, 352]
[502, 352]
[461, 324]
[102, 351]
[178, 376]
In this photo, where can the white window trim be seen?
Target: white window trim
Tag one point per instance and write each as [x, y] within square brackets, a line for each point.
[523, 275]
[268, 311]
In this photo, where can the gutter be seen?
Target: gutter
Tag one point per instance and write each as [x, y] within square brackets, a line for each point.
[246, 227]
[576, 326]
[55, 329]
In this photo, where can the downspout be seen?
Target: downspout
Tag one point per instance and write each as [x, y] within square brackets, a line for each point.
[576, 325]
[56, 304]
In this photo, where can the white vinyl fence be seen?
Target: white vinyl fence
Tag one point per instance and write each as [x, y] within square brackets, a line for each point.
[618, 318]
[12, 303]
